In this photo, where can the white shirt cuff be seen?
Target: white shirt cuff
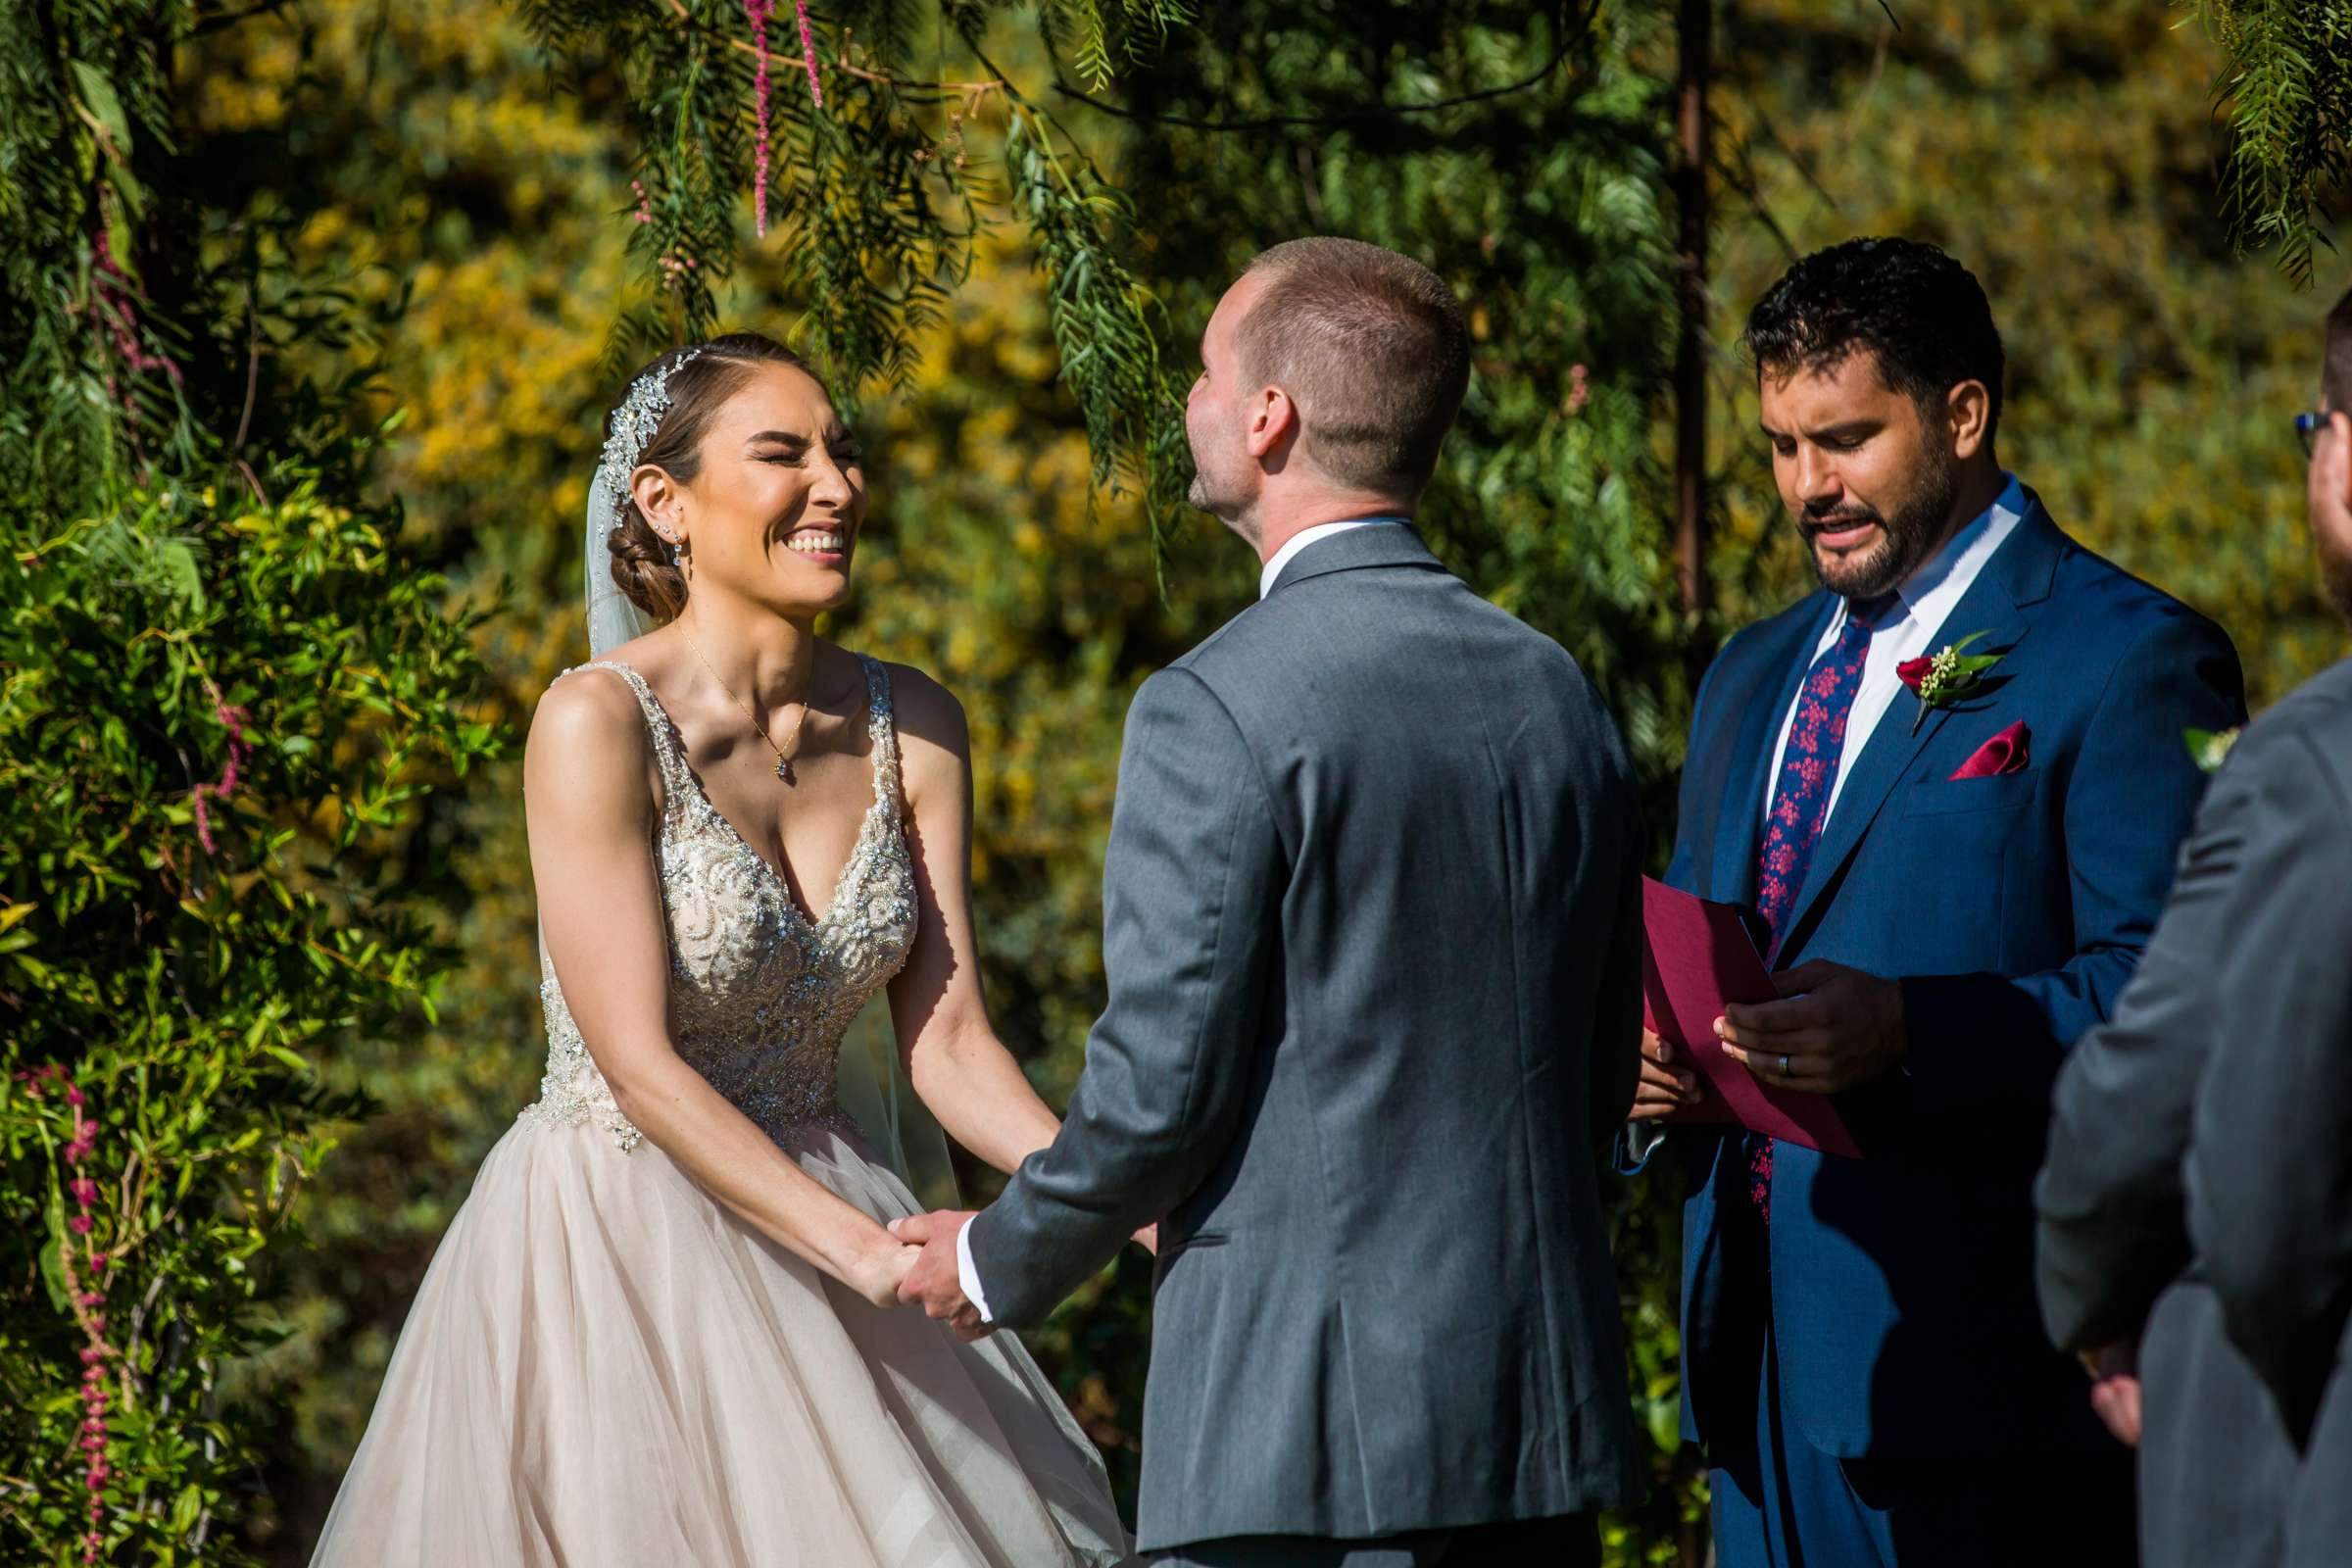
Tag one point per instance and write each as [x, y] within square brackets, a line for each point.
[966, 1275]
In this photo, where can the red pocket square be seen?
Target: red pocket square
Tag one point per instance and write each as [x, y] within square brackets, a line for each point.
[2005, 753]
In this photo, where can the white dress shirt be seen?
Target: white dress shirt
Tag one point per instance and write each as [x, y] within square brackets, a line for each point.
[966, 1274]
[1907, 627]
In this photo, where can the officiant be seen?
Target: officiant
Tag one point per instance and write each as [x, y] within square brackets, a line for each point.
[1950, 783]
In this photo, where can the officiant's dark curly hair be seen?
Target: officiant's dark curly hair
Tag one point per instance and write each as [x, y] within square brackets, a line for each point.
[642, 567]
[1921, 314]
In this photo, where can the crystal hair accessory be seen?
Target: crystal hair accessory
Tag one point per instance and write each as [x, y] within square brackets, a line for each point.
[612, 618]
[634, 424]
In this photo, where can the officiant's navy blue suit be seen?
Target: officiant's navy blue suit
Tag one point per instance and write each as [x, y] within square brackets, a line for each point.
[1870, 1363]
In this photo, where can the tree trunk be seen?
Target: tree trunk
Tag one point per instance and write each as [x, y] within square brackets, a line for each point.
[1698, 31]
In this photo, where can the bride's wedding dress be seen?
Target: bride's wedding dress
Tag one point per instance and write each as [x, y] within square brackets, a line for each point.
[605, 1367]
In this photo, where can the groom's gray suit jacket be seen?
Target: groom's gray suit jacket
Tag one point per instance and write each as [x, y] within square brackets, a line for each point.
[1371, 921]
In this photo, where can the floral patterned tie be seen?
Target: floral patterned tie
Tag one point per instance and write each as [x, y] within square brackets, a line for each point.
[1800, 807]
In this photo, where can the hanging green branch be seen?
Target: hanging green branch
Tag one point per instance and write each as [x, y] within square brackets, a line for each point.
[877, 183]
[2285, 93]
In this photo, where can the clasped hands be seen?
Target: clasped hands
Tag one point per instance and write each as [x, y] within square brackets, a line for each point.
[932, 1279]
[1833, 1028]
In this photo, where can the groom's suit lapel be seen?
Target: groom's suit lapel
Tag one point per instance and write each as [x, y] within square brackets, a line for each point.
[2002, 603]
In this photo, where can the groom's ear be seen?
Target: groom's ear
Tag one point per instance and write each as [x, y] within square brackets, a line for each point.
[1968, 414]
[1273, 422]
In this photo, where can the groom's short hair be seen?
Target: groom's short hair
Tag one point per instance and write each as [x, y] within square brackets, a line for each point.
[2335, 374]
[1922, 315]
[1372, 349]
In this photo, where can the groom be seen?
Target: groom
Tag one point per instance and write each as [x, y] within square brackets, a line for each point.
[1371, 937]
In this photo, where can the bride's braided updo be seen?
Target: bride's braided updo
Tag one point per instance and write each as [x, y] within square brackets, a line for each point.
[642, 567]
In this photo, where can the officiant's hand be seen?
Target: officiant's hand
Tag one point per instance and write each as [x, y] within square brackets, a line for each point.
[1662, 1089]
[935, 1282]
[1834, 1028]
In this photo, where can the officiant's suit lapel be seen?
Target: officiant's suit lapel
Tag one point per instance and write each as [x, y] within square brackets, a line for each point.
[2002, 603]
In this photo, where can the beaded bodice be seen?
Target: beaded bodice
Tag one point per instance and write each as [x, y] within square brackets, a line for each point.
[759, 993]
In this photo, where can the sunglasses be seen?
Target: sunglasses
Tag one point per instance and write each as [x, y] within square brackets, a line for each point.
[2308, 426]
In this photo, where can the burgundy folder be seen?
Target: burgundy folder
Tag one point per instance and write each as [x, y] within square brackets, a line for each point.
[1695, 957]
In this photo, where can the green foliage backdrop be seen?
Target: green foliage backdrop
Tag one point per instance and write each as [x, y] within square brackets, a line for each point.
[222, 695]
[419, 208]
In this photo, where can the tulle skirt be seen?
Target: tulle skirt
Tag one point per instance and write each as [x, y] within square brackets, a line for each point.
[604, 1366]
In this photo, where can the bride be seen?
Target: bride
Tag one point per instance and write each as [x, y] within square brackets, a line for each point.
[663, 1330]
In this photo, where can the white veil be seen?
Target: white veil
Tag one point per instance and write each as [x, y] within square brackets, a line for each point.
[870, 1089]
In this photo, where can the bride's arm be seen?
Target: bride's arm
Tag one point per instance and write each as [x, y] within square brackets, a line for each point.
[960, 1071]
[588, 805]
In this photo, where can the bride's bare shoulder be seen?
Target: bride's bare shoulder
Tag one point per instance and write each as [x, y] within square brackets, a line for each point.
[926, 713]
[588, 736]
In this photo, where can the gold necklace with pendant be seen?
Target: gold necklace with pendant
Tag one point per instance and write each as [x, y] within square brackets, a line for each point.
[792, 742]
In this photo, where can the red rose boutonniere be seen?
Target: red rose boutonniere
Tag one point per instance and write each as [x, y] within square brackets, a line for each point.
[1941, 678]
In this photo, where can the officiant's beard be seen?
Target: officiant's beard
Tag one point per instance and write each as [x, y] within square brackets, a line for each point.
[1907, 537]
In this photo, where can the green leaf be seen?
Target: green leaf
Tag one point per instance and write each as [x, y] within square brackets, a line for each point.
[290, 1059]
[99, 98]
[52, 1264]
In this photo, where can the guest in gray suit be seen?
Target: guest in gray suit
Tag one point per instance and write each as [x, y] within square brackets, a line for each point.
[1371, 935]
[2269, 1165]
[2193, 1199]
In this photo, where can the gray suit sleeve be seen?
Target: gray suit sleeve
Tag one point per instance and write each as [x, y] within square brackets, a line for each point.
[2113, 1229]
[2270, 1169]
[1190, 892]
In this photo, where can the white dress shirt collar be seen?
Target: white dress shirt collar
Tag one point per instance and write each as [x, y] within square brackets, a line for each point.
[1307, 536]
[1931, 592]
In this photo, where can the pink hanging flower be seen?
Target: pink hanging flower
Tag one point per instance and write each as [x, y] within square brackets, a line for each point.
[87, 1300]
[233, 720]
[759, 10]
[817, 91]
